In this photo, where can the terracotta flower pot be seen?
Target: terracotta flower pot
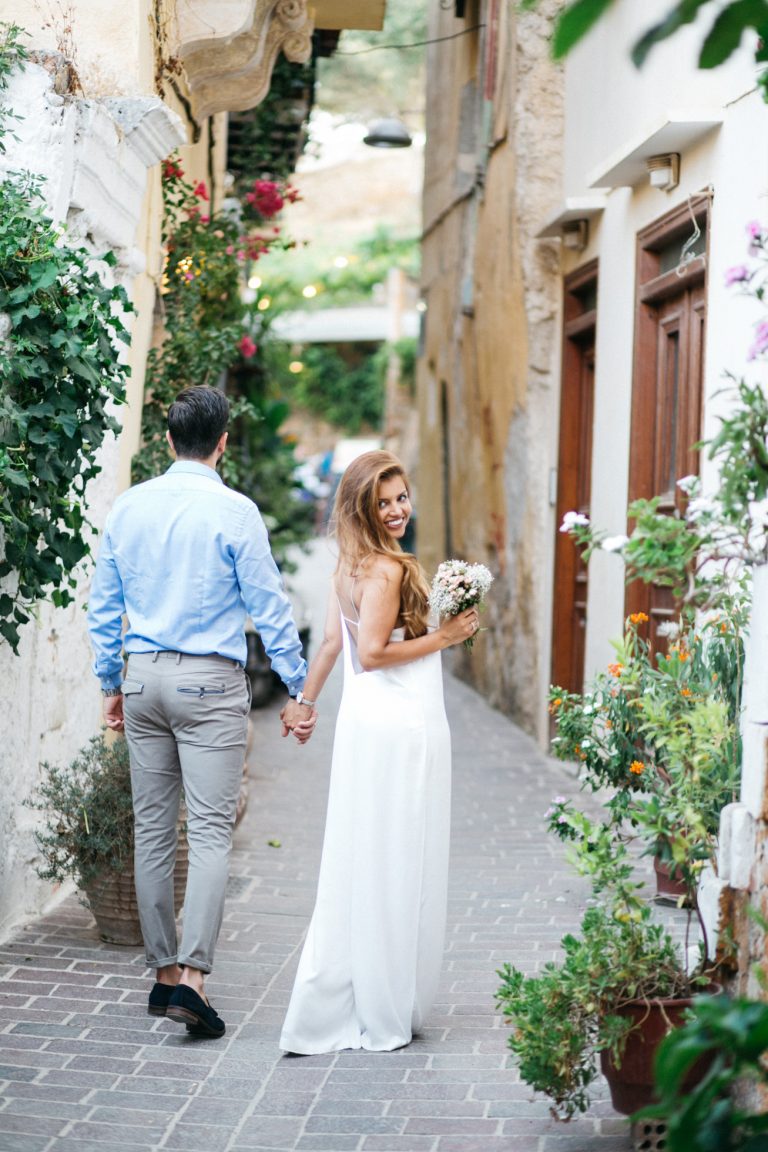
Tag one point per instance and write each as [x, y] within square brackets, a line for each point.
[631, 1084]
[112, 897]
[668, 880]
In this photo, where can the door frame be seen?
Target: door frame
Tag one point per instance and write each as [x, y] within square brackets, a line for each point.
[579, 323]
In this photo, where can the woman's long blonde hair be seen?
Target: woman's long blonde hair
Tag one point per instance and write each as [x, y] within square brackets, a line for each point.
[360, 533]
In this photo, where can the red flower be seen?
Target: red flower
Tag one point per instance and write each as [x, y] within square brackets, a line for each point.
[247, 348]
[200, 190]
[171, 170]
[265, 198]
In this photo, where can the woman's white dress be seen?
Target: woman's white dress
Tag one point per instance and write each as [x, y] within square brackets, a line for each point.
[369, 970]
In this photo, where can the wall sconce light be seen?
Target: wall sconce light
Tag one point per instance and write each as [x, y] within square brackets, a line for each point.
[575, 235]
[388, 133]
[664, 171]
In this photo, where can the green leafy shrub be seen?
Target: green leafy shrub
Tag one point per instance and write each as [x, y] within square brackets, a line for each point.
[88, 826]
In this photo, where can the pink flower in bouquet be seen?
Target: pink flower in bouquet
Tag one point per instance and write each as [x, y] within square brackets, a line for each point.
[247, 348]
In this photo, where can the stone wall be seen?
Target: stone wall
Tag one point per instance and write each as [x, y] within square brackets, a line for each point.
[487, 379]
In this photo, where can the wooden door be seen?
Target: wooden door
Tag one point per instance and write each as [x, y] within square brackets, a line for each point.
[667, 388]
[574, 476]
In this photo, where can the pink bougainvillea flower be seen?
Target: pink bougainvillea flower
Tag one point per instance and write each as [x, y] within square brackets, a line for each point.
[247, 348]
[737, 275]
[265, 197]
[200, 190]
[760, 343]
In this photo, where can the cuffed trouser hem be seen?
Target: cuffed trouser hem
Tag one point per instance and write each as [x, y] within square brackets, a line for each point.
[200, 965]
[151, 963]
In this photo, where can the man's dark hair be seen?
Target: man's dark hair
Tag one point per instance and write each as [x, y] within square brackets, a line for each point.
[196, 420]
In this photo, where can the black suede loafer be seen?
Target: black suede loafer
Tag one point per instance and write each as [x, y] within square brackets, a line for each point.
[158, 999]
[186, 1007]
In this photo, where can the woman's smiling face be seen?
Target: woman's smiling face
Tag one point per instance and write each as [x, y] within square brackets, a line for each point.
[394, 506]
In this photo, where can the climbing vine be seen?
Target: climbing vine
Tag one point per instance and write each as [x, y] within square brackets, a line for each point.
[60, 372]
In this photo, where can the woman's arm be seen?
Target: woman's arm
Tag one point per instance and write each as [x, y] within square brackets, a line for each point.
[320, 667]
[379, 609]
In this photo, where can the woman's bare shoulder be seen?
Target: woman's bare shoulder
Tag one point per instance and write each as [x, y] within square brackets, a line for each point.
[382, 568]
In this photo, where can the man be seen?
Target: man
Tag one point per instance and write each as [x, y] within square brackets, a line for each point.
[184, 558]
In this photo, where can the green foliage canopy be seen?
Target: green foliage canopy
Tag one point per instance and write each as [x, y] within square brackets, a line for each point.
[60, 372]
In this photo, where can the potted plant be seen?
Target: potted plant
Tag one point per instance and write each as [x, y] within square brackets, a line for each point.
[87, 835]
[662, 736]
[620, 986]
[731, 1035]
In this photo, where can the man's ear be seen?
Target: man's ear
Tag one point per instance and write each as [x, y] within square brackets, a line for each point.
[170, 443]
[222, 444]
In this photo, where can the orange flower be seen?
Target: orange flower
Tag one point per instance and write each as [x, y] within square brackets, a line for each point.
[637, 767]
[683, 655]
[555, 704]
[723, 627]
[638, 618]
[615, 669]
[685, 692]
[608, 724]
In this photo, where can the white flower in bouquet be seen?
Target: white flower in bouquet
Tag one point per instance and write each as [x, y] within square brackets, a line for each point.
[457, 586]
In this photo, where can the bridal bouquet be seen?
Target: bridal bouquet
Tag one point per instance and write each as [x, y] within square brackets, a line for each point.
[458, 585]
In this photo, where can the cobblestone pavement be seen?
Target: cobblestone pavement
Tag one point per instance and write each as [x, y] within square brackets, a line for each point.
[82, 1065]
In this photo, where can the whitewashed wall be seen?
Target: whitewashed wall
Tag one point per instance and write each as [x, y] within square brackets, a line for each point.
[610, 107]
[95, 156]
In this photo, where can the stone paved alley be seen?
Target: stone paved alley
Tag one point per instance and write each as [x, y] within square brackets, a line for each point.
[83, 1067]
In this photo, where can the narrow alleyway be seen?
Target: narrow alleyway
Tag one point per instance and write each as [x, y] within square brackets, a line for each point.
[82, 1066]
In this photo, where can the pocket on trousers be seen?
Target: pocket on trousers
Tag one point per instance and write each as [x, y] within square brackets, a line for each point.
[202, 690]
[132, 687]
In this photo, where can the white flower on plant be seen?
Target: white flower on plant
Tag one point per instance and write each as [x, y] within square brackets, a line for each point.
[668, 628]
[689, 484]
[758, 513]
[573, 520]
[614, 543]
[699, 508]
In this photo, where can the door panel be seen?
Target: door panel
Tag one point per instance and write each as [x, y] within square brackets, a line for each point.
[666, 403]
[569, 622]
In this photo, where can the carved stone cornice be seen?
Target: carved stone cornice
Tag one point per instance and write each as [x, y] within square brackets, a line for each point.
[229, 50]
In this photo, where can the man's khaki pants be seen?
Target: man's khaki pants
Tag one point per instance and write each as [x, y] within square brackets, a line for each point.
[185, 722]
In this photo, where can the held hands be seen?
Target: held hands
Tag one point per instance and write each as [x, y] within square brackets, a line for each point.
[298, 719]
[457, 629]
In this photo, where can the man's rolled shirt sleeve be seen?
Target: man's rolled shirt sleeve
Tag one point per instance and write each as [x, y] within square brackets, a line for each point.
[106, 607]
[266, 601]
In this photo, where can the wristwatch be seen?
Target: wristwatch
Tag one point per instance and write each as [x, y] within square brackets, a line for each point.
[111, 691]
[301, 699]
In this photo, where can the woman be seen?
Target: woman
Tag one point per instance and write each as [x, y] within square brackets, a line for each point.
[371, 961]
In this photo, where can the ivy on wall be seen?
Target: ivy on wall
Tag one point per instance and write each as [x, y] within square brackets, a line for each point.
[60, 370]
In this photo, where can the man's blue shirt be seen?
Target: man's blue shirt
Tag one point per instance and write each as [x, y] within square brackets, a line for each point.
[185, 558]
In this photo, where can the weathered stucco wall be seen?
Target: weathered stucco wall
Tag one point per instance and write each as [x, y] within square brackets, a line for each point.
[488, 374]
[95, 156]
